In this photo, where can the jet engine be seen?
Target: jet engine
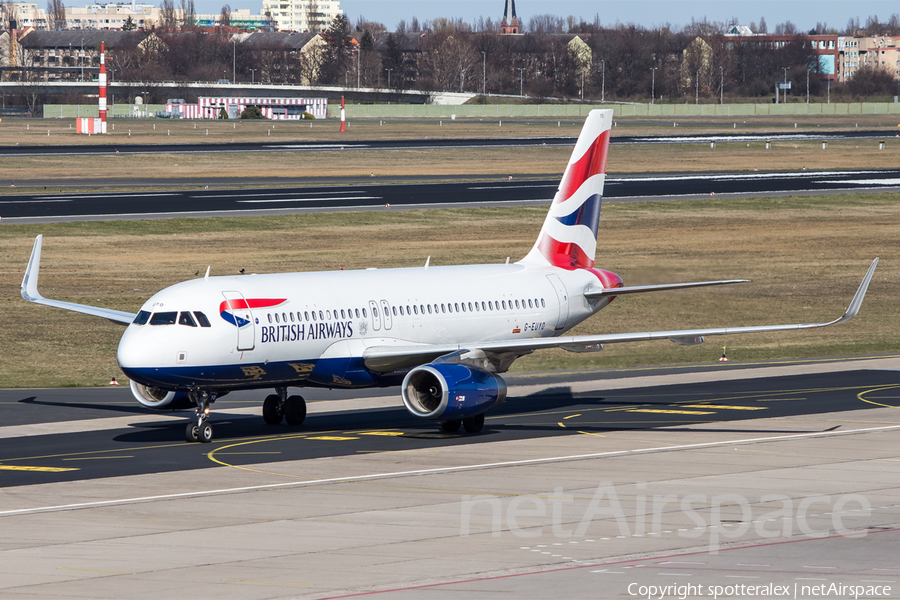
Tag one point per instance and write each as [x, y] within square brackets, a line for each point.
[153, 397]
[449, 391]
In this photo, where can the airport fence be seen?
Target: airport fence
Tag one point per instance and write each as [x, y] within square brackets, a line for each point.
[498, 111]
[506, 111]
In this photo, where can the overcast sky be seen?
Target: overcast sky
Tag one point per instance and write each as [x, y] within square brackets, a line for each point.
[803, 13]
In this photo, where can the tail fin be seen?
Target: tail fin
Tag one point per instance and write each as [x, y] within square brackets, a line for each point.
[568, 238]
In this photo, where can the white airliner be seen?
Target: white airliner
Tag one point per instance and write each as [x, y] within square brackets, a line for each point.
[442, 333]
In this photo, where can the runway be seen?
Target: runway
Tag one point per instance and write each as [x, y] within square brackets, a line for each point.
[141, 205]
[428, 144]
[578, 483]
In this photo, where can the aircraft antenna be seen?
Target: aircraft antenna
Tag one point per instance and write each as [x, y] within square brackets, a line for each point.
[206, 277]
[427, 260]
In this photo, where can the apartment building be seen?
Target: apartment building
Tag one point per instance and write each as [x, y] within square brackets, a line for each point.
[313, 16]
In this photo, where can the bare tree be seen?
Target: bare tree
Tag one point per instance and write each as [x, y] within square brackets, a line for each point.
[313, 20]
[56, 14]
[167, 14]
[225, 16]
[188, 13]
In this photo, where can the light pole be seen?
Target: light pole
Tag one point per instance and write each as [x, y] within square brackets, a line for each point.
[697, 97]
[829, 90]
[653, 84]
[357, 66]
[346, 75]
[234, 61]
[784, 89]
[582, 85]
[807, 86]
[462, 79]
[252, 72]
[81, 58]
[484, 73]
[389, 77]
[521, 81]
[722, 85]
[603, 81]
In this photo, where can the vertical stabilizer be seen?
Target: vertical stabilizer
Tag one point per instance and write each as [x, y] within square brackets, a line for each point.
[568, 238]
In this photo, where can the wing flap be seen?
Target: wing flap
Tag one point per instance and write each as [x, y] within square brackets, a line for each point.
[31, 294]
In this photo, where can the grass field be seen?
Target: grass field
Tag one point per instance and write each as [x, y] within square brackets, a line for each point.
[806, 257]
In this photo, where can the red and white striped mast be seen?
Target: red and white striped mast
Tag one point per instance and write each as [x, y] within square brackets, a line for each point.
[343, 119]
[102, 79]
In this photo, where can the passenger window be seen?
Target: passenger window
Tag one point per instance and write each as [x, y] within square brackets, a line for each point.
[470, 307]
[394, 308]
[321, 316]
[542, 303]
[483, 307]
[429, 309]
[270, 317]
[357, 313]
[365, 314]
[375, 312]
[456, 306]
[328, 314]
[284, 317]
[442, 308]
[185, 318]
[517, 304]
[163, 318]
[314, 315]
[415, 309]
[306, 315]
[201, 318]
[141, 318]
[343, 314]
[529, 303]
[277, 320]
[292, 317]
[422, 308]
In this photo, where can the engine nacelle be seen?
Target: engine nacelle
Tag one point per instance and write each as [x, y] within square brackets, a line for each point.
[449, 391]
[152, 397]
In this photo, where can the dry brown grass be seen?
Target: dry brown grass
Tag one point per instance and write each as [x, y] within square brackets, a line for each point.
[805, 255]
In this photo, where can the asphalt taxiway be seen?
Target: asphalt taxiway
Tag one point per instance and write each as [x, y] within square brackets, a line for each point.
[49, 207]
[579, 483]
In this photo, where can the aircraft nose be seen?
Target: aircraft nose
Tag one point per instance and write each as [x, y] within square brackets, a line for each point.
[129, 354]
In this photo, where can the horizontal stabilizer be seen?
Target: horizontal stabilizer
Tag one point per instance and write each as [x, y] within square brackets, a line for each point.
[593, 293]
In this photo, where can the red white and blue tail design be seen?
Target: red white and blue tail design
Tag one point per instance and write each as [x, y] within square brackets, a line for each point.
[568, 238]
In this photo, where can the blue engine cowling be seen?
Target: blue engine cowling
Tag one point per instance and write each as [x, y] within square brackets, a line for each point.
[152, 397]
[450, 391]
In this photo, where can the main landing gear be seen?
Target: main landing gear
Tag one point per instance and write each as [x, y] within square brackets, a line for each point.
[200, 429]
[470, 424]
[280, 406]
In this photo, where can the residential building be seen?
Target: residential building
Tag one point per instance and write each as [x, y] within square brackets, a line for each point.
[312, 16]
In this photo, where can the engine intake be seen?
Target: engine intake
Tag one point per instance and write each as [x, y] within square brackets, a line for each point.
[451, 391]
[153, 397]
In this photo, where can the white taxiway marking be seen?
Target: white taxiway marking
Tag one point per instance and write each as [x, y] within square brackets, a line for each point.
[532, 461]
[317, 193]
[309, 199]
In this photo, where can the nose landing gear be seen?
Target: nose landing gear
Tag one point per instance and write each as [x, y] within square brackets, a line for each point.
[200, 429]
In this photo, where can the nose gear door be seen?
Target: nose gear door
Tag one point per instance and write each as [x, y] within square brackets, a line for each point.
[236, 307]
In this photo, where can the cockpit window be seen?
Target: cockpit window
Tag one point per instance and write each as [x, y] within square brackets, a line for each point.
[141, 318]
[163, 318]
[201, 318]
[185, 318]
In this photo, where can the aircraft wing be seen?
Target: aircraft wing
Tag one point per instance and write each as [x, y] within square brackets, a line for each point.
[390, 358]
[639, 289]
[30, 293]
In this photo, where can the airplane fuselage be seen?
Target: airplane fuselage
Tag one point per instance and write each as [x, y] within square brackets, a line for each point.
[312, 329]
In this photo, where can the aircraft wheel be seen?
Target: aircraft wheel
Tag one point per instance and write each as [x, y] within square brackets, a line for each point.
[205, 433]
[192, 432]
[295, 410]
[450, 426]
[272, 413]
[474, 424]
